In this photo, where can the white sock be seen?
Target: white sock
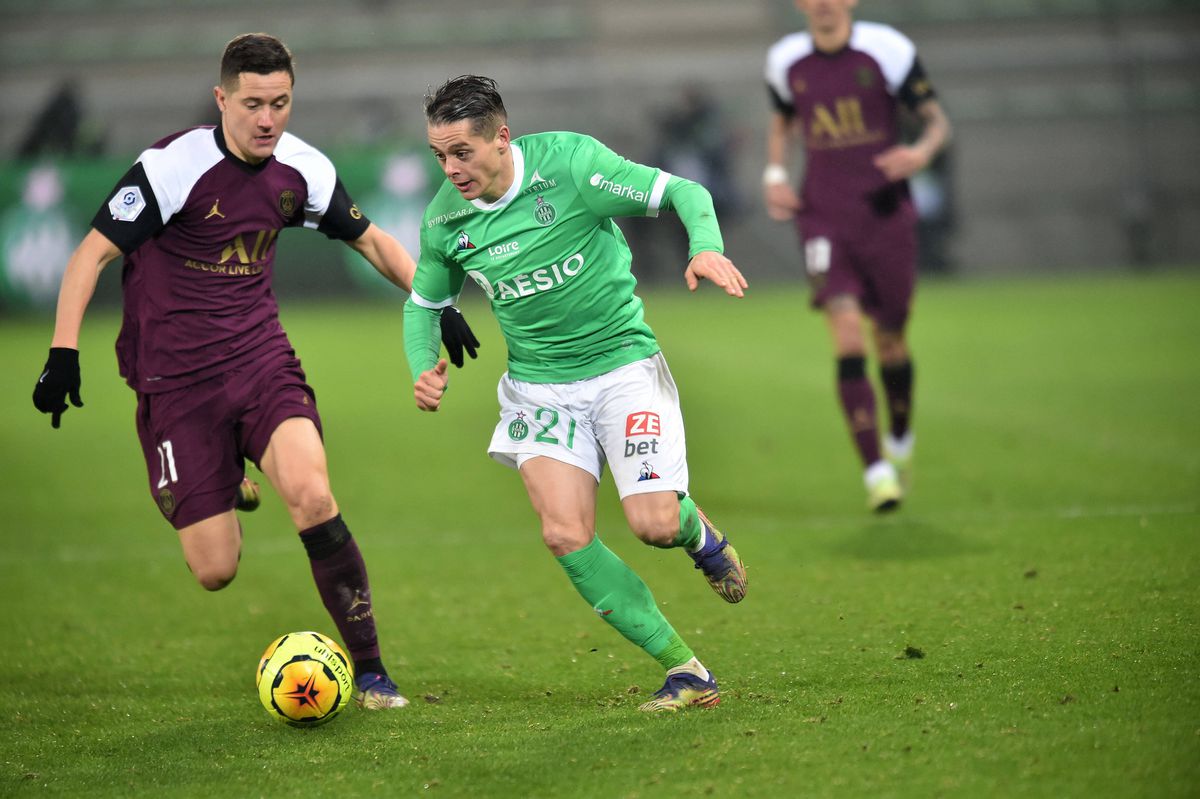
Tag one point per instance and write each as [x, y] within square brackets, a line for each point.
[693, 666]
[901, 447]
[879, 470]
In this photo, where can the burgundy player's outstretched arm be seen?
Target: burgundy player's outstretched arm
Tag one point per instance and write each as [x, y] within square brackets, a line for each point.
[387, 255]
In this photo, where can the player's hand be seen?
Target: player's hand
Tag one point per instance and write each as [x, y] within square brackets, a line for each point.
[716, 267]
[457, 335]
[781, 200]
[59, 380]
[900, 162]
[431, 385]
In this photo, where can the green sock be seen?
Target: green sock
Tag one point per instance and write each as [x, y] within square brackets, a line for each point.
[620, 597]
[690, 528]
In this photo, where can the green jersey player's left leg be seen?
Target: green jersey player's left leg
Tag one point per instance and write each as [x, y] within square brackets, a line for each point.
[563, 495]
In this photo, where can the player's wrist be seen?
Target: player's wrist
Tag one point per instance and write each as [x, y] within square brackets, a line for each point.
[63, 356]
[774, 175]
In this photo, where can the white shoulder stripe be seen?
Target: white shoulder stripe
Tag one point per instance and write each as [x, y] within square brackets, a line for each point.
[174, 170]
[316, 169]
[891, 49]
[781, 56]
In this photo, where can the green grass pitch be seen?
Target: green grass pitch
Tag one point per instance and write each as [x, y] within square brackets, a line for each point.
[1047, 569]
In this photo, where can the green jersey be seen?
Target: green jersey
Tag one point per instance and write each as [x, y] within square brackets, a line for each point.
[553, 264]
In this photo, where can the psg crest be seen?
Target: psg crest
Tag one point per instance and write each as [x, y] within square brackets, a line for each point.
[287, 202]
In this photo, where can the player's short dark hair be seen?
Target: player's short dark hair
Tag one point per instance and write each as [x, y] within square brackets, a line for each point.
[472, 97]
[259, 53]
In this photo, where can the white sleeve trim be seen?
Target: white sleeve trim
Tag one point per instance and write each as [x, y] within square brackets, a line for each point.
[318, 173]
[430, 304]
[656, 193]
[174, 170]
[891, 49]
[780, 58]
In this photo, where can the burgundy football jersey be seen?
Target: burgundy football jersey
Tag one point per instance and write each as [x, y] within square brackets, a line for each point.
[846, 107]
[198, 228]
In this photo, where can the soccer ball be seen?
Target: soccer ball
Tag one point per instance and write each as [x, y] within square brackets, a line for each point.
[304, 679]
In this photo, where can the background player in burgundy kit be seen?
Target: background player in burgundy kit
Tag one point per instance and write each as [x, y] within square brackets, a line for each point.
[839, 87]
[216, 377]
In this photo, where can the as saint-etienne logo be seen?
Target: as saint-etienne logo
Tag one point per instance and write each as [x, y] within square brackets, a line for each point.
[518, 428]
[544, 212]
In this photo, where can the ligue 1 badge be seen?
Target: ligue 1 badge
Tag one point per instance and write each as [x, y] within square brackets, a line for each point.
[127, 204]
[544, 212]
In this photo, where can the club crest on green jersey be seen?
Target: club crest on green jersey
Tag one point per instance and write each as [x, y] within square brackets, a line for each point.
[544, 212]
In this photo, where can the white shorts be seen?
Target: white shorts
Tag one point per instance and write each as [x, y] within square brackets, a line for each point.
[628, 417]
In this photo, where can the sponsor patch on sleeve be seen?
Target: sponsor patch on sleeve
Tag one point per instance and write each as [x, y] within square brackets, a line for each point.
[127, 204]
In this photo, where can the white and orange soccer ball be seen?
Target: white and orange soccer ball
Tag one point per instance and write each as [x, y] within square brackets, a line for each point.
[304, 679]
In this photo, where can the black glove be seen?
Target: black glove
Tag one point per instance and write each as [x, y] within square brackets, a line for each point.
[457, 335]
[59, 379]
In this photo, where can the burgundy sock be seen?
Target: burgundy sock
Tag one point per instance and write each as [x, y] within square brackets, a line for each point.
[858, 404]
[898, 385]
[341, 578]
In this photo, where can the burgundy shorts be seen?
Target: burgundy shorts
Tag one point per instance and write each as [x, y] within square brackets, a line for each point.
[195, 439]
[877, 264]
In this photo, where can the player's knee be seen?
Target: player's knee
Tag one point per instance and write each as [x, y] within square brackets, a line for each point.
[563, 539]
[657, 526]
[311, 503]
[214, 577]
[892, 351]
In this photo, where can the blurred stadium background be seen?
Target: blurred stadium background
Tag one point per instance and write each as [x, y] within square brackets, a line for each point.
[1077, 121]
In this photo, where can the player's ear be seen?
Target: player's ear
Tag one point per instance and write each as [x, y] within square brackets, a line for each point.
[219, 95]
[503, 136]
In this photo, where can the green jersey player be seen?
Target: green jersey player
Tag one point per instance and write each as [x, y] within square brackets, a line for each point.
[530, 221]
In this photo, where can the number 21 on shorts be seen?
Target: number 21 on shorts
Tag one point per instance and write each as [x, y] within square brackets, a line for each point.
[166, 465]
[548, 419]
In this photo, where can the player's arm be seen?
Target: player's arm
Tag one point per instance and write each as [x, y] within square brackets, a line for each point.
[778, 194]
[389, 257]
[694, 206]
[386, 254]
[60, 376]
[422, 350]
[79, 284]
[904, 161]
[596, 169]
[917, 95]
[436, 286]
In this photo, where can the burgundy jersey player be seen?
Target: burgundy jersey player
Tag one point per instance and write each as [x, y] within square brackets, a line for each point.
[840, 88]
[197, 218]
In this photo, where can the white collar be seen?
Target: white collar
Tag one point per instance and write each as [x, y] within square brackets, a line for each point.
[513, 190]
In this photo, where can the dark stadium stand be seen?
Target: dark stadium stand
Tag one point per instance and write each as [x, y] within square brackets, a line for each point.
[1072, 117]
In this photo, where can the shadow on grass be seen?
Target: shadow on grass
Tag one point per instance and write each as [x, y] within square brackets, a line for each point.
[905, 538]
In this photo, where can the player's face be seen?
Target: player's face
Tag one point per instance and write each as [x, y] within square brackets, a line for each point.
[477, 165]
[254, 113]
[826, 15]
